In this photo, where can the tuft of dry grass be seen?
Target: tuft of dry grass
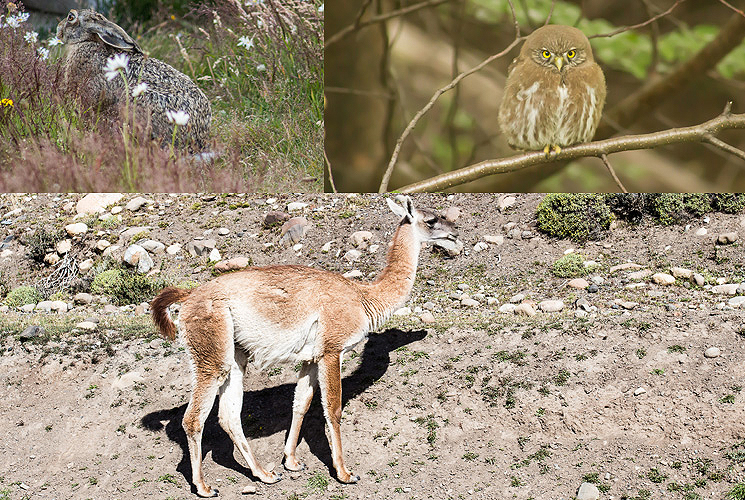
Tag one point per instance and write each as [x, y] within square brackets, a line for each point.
[261, 67]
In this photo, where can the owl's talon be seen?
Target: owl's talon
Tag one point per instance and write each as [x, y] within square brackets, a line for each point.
[551, 148]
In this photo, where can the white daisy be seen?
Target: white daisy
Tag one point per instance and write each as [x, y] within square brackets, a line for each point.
[320, 9]
[43, 53]
[31, 36]
[54, 41]
[245, 41]
[139, 89]
[114, 64]
[178, 117]
[261, 67]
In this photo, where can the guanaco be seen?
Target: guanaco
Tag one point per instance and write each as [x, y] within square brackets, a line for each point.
[287, 313]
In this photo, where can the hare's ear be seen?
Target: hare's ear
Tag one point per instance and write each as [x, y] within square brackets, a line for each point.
[116, 41]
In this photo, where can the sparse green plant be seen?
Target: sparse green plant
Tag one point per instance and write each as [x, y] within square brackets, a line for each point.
[569, 266]
[737, 492]
[676, 348]
[22, 295]
[318, 483]
[656, 476]
[579, 217]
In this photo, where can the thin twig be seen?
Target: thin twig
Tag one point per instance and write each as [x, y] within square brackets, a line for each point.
[733, 8]
[607, 164]
[328, 167]
[550, 13]
[394, 157]
[344, 32]
[726, 120]
[654, 34]
[724, 146]
[640, 25]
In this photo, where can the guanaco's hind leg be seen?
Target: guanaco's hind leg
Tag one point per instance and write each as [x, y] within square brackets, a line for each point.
[229, 415]
[200, 404]
[329, 378]
[307, 380]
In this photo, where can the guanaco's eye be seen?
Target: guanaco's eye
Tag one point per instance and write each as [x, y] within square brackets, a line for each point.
[571, 54]
[546, 54]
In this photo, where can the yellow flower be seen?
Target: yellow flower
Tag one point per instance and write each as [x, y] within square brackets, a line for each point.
[173, 18]
[7, 103]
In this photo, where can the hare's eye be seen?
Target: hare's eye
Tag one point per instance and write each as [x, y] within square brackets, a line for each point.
[70, 17]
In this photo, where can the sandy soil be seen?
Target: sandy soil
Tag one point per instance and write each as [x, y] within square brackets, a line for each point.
[477, 405]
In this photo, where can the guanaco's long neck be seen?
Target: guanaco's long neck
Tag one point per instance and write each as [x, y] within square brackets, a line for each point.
[394, 284]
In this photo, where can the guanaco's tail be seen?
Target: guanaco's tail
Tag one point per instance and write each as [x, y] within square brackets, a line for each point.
[158, 308]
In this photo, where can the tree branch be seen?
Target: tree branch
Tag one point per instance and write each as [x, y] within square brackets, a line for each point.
[702, 133]
[358, 23]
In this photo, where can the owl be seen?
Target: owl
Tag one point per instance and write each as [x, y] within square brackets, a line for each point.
[555, 91]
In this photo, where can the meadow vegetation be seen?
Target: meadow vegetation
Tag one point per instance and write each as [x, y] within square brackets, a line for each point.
[260, 64]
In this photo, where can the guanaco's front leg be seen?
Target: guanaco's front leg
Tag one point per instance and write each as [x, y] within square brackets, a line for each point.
[329, 378]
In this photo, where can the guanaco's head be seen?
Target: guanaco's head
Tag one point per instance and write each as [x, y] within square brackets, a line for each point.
[428, 225]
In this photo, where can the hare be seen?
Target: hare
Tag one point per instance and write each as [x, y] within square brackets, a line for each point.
[92, 40]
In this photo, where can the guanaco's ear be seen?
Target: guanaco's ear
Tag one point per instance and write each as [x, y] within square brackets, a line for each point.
[396, 208]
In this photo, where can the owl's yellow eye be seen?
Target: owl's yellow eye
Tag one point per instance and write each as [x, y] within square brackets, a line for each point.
[571, 54]
[546, 54]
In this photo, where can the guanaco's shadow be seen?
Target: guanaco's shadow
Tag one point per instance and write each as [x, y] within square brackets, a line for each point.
[268, 411]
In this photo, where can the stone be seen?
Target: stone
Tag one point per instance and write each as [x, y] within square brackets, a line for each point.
[110, 309]
[274, 218]
[137, 256]
[494, 240]
[578, 283]
[451, 214]
[360, 239]
[551, 305]
[373, 248]
[516, 299]
[102, 245]
[354, 273]
[293, 231]
[353, 255]
[507, 308]
[728, 289]
[63, 246]
[625, 266]
[452, 248]
[96, 202]
[296, 206]
[327, 246]
[582, 304]
[32, 332]
[223, 231]
[712, 352]
[86, 265]
[127, 380]
[215, 255]
[28, 308]
[127, 234]
[44, 306]
[680, 272]
[173, 249]
[627, 304]
[727, 238]
[59, 306]
[588, 491]
[82, 298]
[480, 247]
[116, 210]
[51, 258]
[640, 275]
[248, 490]
[135, 204]
[505, 202]
[231, 264]
[640, 391]
[702, 231]
[427, 317]
[525, 309]
[699, 279]
[76, 229]
[736, 301]
[663, 279]
[152, 246]
[87, 325]
[468, 302]
[403, 311]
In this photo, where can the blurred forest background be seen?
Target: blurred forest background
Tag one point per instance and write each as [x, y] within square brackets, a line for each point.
[260, 63]
[379, 74]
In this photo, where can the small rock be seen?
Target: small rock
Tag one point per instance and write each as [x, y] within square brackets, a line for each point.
[173, 249]
[87, 325]
[507, 308]
[32, 332]
[551, 305]
[215, 255]
[327, 246]
[373, 248]
[623, 267]
[480, 246]
[469, 302]
[63, 246]
[680, 272]
[712, 352]
[699, 279]
[588, 491]
[296, 206]
[354, 273]
[360, 239]
[102, 245]
[427, 317]
[353, 255]
[494, 240]
[76, 229]
[736, 301]
[59, 306]
[505, 202]
[223, 231]
[582, 304]
[728, 289]
[51, 258]
[702, 231]
[578, 283]
[135, 255]
[640, 391]
[152, 246]
[451, 214]
[82, 298]
[127, 380]
[593, 288]
[248, 490]
[293, 230]
[627, 304]
[727, 238]
[274, 218]
[516, 299]
[525, 309]
[135, 204]
[97, 202]
[429, 306]
[452, 248]
[663, 279]
[231, 264]
[44, 305]
[640, 275]
[86, 265]
[404, 311]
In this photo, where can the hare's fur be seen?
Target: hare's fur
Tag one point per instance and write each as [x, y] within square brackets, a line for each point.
[91, 40]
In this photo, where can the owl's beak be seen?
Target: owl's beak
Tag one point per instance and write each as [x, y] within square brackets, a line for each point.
[559, 62]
